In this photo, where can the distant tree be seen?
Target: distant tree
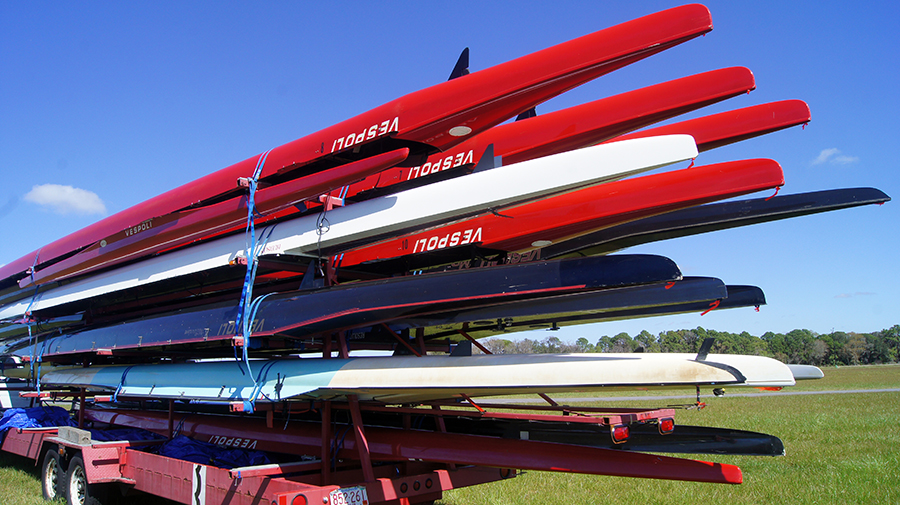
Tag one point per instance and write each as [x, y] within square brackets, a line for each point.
[855, 349]
[702, 334]
[836, 340]
[622, 343]
[553, 344]
[672, 341]
[752, 345]
[892, 340]
[604, 344]
[525, 346]
[499, 346]
[799, 345]
[777, 345]
[539, 346]
[725, 343]
[818, 352]
[877, 348]
[693, 339]
[584, 345]
[647, 340]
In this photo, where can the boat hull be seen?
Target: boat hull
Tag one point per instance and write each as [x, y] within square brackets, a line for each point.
[396, 380]
[296, 315]
[379, 218]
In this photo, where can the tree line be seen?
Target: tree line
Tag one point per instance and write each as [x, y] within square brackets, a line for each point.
[798, 346]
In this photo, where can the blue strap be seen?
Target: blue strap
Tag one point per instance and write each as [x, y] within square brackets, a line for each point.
[39, 361]
[251, 251]
[246, 309]
[29, 322]
[115, 397]
[258, 383]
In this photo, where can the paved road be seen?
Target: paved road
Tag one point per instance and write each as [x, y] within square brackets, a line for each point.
[728, 394]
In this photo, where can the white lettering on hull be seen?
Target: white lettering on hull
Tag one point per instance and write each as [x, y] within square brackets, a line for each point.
[433, 167]
[376, 130]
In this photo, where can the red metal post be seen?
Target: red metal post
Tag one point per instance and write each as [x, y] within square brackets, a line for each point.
[326, 442]
[401, 340]
[362, 445]
[470, 339]
[326, 347]
[171, 418]
[420, 340]
[344, 350]
[439, 419]
[548, 399]
[82, 397]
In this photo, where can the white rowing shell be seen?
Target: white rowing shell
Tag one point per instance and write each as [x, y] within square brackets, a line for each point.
[412, 379]
[373, 219]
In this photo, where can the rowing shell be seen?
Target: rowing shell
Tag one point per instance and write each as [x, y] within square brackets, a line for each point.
[385, 216]
[562, 217]
[428, 120]
[415, 379]
[714, 217]
[571, 128]
[690, 295]
[298, 314]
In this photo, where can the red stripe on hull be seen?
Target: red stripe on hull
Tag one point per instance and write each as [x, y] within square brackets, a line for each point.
[586, 210]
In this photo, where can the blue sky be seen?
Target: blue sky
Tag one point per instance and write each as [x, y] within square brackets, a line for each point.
[120, 101]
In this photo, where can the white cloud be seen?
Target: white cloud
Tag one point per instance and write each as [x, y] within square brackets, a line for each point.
[844, 160]
[824, 155]
[851, 295]
[66, 199]
[833, 156]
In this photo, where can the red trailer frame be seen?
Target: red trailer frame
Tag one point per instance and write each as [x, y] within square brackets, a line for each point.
[88, 464]
[377, 464]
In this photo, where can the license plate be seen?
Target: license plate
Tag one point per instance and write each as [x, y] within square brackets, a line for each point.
[349, 496]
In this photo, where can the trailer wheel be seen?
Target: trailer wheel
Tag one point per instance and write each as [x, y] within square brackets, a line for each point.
[78, 490]
[53, 478]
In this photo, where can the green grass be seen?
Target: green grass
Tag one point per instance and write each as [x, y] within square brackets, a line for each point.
[20, 481]
[854, 377]
[840, 449]
[836, 379]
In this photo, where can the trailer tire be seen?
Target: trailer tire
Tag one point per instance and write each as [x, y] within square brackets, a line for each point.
[53, 477]
[78, 490]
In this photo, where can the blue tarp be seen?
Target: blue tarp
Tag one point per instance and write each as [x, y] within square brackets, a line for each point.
[182, 447]
[35, 417]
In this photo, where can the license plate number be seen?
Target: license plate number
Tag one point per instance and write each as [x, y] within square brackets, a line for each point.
[349, 496]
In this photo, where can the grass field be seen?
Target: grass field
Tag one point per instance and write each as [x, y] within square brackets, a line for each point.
[842, 448]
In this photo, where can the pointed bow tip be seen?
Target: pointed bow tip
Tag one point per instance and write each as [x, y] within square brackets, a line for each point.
[732, 474]
[701, 12]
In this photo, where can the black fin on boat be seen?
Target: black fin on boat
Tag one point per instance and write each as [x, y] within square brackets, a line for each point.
[532, 112]
[488, 160]
[705, 348]
[462, 65]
